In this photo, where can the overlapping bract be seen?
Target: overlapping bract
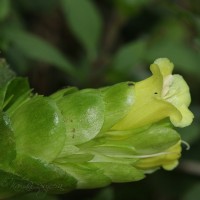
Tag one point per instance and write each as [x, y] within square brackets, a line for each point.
[90, 138]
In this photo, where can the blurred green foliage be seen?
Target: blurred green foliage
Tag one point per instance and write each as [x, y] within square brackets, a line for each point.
[91, 43]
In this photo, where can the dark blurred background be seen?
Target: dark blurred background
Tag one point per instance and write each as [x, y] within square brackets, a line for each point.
[92, 43]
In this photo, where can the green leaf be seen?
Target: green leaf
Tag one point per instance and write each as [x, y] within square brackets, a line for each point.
[11, 184]
[170, 41]
[46, 176]
[38, 49]
[38, 6]
[6, 74]
[177, 32]
[130, 7]
[17, 92]
[85, 22]
[129, 55]
[7, 144]
[17, 59]
[4, 8]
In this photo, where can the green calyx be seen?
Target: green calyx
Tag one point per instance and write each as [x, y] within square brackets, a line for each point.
[92, 137]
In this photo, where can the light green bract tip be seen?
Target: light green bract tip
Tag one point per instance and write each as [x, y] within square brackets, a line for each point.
[79, 139]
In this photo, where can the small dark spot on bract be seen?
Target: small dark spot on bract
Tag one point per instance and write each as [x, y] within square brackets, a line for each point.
[130, 84]
[155, 93]
[73, 130]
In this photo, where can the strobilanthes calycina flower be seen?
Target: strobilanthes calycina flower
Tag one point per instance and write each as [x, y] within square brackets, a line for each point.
[92, 137]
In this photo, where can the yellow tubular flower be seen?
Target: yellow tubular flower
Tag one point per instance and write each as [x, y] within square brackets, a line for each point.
[160, 96]
[168, 159]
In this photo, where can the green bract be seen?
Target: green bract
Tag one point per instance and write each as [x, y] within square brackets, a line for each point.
[92, 137]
